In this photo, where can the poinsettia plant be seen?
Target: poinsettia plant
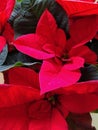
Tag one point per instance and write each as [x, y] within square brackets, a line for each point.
[49, 63]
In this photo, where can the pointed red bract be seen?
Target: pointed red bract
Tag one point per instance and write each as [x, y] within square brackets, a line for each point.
[82, 30]
[79, 7]
[83, 87]
[17, 76]
[54, 75]
[14, 118]
[16, 94]
[87, 54]
[79, 103]
[8, 33]
[32, 45]
[9, 7]
[19, 87]
[46, 117]
[57, 118]
[6, 8]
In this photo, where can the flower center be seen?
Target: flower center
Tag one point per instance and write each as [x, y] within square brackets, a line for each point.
[53, 99]
[65, 58]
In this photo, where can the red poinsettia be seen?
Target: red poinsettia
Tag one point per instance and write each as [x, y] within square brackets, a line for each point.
[49, 43]
[6, 32]
[83, 18]
[22, 107]
[82, 30]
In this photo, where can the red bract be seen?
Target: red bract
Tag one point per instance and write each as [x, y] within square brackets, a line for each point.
[22, 107]
[83, 24]
[82, 30]
[54, 74]
[96, 36]
[6, 32]
[88, 9]
[49, 42]
[79, 7]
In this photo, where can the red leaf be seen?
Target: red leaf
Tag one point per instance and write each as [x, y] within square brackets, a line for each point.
[74, 63]
[53, 75]
[79, 7]
[15, 118]
[86, 87]
[79, 103]
[84, 52]
[31, 45]
[88, 31]
[47, 27]
[7, 6]
[8, 33]
[5, 11]
[58, 121]
[22, 86]
[54, 122]
[22, 76]
[2, 43]
[11, 95]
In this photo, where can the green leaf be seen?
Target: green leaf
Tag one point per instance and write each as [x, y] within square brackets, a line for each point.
[96, 111]
[30, 12]
[15, 59]
[89, 73]
[15, 13]
[93, 45]
[17, 56]
[35, 6]
[3, 55]
[19, 0]
[17, 64]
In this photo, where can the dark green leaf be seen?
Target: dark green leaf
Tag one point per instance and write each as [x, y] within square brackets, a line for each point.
[19, 0]
[17, 64]
[89, 73]
[96, 111]
[15, 13]
[16, 56]
[18, 59]
[3, 55]
[93, 45]
[35, 6]
[30, 12]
